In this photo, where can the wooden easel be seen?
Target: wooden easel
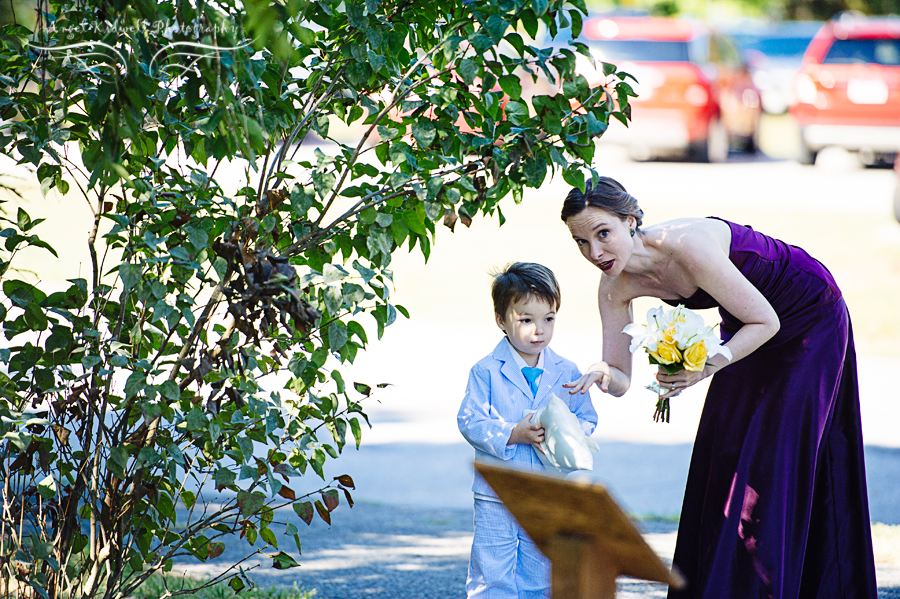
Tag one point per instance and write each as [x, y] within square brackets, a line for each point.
[587, 537]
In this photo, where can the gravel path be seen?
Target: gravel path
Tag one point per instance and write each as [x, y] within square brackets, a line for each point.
[379, 551]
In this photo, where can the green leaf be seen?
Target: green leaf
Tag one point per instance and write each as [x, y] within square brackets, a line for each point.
[250, 503]
[577, 24]
[481, 43]
[511, 86]
[304, 35]
[118, 461]
[496, 27]
[130, 274]
[515, 40]
[135, 383]
[366, 273]
[47, 487]
[357, 433]
[237, 584]
[530, 23]
[468, 70]
[333, 272]
[323, 182]
[269, 537]
[90, 361]
[387, 133]
[188, 499]
[198, 238]
[180, 253]
[283, 561]
[424, 133]
[23, 220]
[196, 420]
[170, 390]
[337, 335]
[540, 6]
[246, 445]
[574, 177]
[534, 169]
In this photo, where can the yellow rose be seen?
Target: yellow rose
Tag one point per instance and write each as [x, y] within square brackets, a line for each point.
[695, 357]
[669, 335]
[666, 353]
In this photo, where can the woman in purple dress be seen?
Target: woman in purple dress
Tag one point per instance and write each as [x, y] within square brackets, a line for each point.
[775, 504]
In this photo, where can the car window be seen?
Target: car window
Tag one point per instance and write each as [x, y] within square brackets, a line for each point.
[639, 50]
[864, 51]
[781, 47]
[699, 49]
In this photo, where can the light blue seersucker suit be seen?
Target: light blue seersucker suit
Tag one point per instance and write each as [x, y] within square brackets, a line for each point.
[505, 563]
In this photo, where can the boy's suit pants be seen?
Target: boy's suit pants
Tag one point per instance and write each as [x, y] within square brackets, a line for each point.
[505, 562]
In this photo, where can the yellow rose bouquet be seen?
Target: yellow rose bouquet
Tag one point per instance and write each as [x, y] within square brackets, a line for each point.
[675, 339]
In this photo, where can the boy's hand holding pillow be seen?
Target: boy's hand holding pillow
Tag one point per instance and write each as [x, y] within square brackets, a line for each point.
[565, 446]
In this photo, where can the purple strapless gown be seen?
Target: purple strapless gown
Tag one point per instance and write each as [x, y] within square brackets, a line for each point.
[776, 504]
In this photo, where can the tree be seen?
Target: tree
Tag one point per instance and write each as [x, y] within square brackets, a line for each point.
[205, 348]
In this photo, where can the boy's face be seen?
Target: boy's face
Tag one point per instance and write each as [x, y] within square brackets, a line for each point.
[529, 325]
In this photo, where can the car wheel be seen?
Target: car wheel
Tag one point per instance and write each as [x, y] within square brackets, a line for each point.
[715, 147]
[750, 144]
[807, 155]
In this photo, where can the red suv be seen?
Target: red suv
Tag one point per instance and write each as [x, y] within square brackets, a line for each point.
[695, 93]
[847, 93]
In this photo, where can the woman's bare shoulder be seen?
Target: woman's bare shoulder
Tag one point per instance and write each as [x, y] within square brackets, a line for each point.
[690, 236]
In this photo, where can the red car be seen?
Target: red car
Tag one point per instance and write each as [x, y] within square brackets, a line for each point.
[695, 94]
[847, 93]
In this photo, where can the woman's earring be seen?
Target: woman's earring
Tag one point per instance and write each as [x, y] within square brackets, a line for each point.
[632, 232]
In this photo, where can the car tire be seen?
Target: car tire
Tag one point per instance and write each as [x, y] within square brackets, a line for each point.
[713, 149]
[750, 144]
[807, 155]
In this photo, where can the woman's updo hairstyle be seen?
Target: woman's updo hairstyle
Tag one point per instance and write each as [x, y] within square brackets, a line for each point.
[607, 195]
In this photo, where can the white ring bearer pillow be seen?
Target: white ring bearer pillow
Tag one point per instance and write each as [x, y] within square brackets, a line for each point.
[566, 446]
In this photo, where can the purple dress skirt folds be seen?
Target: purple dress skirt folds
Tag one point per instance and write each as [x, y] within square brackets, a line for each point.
[776, 504]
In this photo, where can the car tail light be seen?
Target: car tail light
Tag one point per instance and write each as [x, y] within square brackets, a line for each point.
[750, 99]
[806, 89]
[696, 95]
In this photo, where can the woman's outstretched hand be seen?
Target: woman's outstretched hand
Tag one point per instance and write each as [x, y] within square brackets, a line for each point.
[599, 373]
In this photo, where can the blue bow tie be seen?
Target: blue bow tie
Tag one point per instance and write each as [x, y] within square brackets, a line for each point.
[531, 375]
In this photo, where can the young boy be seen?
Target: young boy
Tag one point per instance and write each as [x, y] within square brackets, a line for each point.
[517, 377]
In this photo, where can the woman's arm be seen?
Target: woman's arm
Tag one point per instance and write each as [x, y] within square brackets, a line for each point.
[705, 264]
[712, 270]
[613, 374]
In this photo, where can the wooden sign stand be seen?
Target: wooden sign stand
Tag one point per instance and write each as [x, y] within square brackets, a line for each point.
[587, 537]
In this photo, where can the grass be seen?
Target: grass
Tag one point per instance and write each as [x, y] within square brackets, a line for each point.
[158, 585]
[673, 518]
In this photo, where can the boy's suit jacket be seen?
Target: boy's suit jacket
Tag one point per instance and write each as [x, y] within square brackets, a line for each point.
[497, 397]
